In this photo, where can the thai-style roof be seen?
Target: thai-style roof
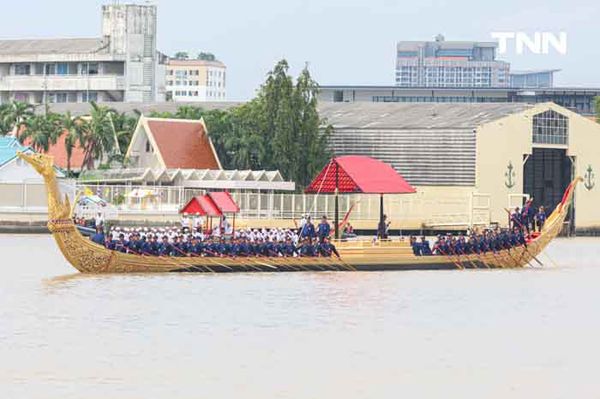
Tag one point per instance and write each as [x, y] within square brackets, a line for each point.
[359, 174]
[182, 144]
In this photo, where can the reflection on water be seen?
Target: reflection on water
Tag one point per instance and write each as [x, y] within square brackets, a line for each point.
[482, 333]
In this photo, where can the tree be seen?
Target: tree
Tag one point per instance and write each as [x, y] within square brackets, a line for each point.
[189, 112]
[70, 126]
[41, 131]
[206, 56]
[597, 106]
[97, 134]
[15, 114]
[181, 55]
[123, 126]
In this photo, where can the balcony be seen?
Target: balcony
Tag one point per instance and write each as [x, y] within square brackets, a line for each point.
[62, 82]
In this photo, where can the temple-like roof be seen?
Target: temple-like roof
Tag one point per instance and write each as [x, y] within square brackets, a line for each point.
[358, 174]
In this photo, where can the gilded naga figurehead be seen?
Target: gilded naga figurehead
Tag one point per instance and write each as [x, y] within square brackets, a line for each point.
[42, 163]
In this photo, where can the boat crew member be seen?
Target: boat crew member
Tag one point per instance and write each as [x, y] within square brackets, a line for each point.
[540, 218]
[383, 228]
[99, 237]
[308, 230]
[121, 245]
[416, 246]
[516, 219]
[165, 248]
[326, 248]
[324, 229]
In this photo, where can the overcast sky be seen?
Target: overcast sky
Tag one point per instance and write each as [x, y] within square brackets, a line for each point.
[344, 41]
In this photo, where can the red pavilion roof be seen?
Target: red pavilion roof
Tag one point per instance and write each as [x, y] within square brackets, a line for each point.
[359, 174]
[224, 202]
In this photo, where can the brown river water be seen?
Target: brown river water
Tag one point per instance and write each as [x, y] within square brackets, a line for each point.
[527, 333]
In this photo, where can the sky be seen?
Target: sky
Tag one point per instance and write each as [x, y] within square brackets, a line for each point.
[343, 41]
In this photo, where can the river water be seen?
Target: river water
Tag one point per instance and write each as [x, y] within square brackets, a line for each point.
[474, 333]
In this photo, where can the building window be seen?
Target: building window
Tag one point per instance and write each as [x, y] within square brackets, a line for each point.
[89, 96]
[550, 127]
[62, 69]
[148, 146]
[22, 69]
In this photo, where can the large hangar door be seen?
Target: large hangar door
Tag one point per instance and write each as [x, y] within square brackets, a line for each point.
[547, 173]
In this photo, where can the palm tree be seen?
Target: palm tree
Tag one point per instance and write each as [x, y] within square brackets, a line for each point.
[70, 126]
[97, 134]
[41, 130]
[15, 115]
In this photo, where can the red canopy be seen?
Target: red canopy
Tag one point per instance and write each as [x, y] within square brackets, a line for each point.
[202, 205]
[211, 204]
[359, 174]
[224, 202]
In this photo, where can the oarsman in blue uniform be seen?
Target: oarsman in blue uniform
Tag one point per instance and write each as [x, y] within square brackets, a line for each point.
[516, 219]
[326, 249]
[307, 248]
[132, 244]
[99, 237]
[288, 249]
[121, 245]
[324, 229]
[165, 248]
[308, 230]
[540, 218]
[178, 247]
[416, 246]
[109, 243]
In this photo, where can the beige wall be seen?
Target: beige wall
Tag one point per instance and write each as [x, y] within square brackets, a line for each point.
[508, 139]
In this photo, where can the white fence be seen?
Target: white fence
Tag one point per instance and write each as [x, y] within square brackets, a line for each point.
[425, 208]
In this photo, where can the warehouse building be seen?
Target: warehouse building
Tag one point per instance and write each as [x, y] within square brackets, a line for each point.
[506, 151]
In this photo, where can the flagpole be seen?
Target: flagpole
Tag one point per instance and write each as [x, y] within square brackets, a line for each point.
[336, 201]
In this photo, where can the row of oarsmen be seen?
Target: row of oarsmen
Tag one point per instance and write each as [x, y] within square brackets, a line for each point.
[192, 246]
[489, 240]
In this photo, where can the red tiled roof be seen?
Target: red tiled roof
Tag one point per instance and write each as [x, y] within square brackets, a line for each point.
[224, 202]
[359, 174]
[183, 145]
[59, 153]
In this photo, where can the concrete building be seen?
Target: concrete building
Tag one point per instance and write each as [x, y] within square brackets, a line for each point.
[121, 65]
[505, 152]
[533, 79]
[577, 99]
[442, 63]
[195, 80]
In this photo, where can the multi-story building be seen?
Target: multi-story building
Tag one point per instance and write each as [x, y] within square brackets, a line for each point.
[195, 80]
[443, 63]
[122, 65]
[578, 99]
[533, 79]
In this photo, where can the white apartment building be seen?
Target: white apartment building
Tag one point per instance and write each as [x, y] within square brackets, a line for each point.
[122, 65]
[195, 80]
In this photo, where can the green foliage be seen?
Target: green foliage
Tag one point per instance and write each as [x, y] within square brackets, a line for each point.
[597, 106]
[98, 134]
[206, 56]
[41, 131]
[13, 115]
[181, 55]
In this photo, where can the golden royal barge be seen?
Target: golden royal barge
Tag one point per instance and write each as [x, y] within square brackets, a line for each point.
[88, 257]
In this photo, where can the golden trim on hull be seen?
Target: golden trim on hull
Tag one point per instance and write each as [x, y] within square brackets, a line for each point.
[88, 257]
